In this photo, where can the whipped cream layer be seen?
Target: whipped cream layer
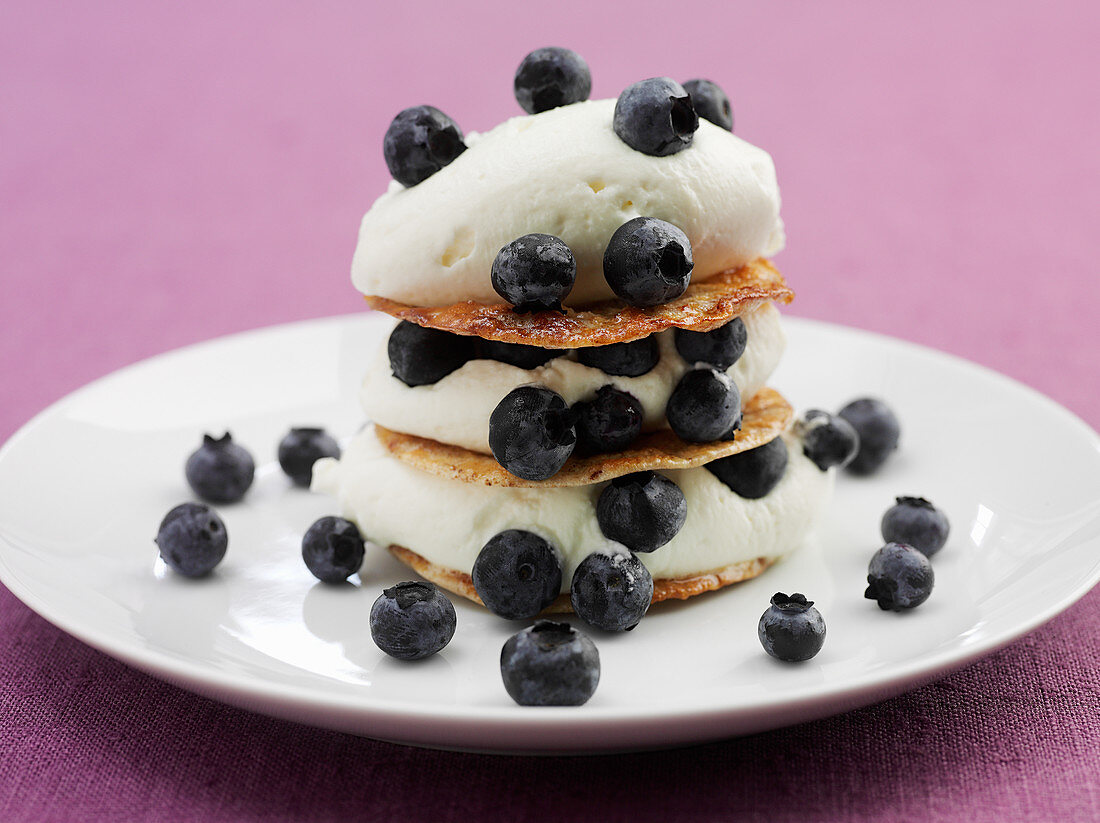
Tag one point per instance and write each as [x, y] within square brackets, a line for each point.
[456, 409]
[564, 172]
[448, 522]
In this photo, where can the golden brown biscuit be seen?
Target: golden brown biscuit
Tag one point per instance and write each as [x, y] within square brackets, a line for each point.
[680, 588]
[704, 306]
[766, 415]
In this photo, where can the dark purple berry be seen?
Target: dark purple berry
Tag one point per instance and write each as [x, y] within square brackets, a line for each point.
[721, 347]
[878, 431]
[412, 620]
[917, 523]
[550, 664]
[752, 474]
[301, 448]
[551, 77]
[220, 471]
[192, 539]
[333, 549]
[705, 406]
[419, 142]
[643, 511]
[516, 354]
[517, 574]
[611, 591]
[631, 359]
[828, 440]
[792, 629]
[710, 102]
[534, 273]
[421, 356]
[899, 577]
[609, 422]
[655, 117]
[648, 262]
[531, 432]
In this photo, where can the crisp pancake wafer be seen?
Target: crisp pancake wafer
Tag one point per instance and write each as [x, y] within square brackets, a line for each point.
[704, 306]
[766, 415]
[680, 588]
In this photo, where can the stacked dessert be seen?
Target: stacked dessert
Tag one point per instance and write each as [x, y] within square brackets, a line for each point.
[571, 411]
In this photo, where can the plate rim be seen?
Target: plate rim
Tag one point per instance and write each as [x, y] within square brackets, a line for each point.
[196, 677]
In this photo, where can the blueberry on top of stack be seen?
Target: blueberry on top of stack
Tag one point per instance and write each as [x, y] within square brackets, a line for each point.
[571, 410]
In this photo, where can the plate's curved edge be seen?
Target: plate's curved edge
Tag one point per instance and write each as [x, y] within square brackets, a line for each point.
[226, 687]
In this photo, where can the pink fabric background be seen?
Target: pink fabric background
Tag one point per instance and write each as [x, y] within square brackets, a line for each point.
[169, 174]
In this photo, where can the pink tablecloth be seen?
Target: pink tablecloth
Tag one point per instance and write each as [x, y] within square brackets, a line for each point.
[172, 174]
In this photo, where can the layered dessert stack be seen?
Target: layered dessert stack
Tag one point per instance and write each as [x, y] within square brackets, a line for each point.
[571, 411]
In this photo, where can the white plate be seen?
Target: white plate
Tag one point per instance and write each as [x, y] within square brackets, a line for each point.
[84, 486]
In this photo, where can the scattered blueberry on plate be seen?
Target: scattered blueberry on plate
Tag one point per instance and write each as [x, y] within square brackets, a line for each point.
[192, 539]
[631, 359]
[899, 577]
[648, 262]
[301, 448]
[609, 422]
[710, 102]
[753, 473]
[878, 430]
[551, 77]
[720, 348]
[535, 272]
[412, 620]
[611, 591]
[550, 664]
[705, 406]
[517, 574]
[791, 629]
[642, 511]
[333, 549]
[828, 440]
[220, 471]
[419, 142]
[655, 117]
[531, 432]
[917, 523]
[421, 356]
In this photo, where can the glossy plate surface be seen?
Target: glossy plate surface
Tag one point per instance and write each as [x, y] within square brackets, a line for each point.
[84, 485]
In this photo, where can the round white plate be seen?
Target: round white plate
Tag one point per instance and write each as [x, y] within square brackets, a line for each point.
[85, 484]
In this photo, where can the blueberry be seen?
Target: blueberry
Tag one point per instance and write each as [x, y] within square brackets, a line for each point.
[534, 272]
[333, 549]
[827, 440]
[609, 422]
[631, 359]
[531, 432]
[705, 406]
[220, 471]
[419, 142]
[721, 347]
[421, 356]
[412, 620]
[550, 664]
[655, 117]
[301, 448]
[878, 431]
[648, 262]
[192, 539]
[752, 474]
[899, 577]
[792, 629]
[552, 77]
[710, 102]
[643, 511]
[517, 574]
[611, 591]
[917, 523]
[516, 354]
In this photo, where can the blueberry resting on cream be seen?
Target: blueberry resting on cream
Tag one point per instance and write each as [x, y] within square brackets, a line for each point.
[531, 432]
[419, 142]
[412, 620]
[611, 590]
[517, 574]
[791, 630]
[333, 549]
[220, 471]
[301, 448]
[192, 539]
[631, 359]
[550, 664]
[516, 354]
[878, 430]
[656, 117]
[551, 77]
[917, 523]
[648, 262]
[534, 273]
[899, 578]
[827, 439]
[720, 347]
[752, 474]
[421, 356]
[705, 406]
[609, 422]
[710, 102]
[642, 511]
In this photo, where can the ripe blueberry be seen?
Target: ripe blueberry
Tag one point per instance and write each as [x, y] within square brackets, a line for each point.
[551, 77]
[220, 471]
[721, 347]
[631, 359]
[534, 272]
[899, 577]
[517, 574]
[710, 102]
[421, 356]
[611, 591]
[412, 620]
[192, 539]
[655, 117]
[419, 142]
[643, 511]
[878, 431]
[333, 549]
[550, 664]
[531, 432]
[609, 422]
[648, 262]
[791, 629]
[752, 474]
[301, 448]
[917, 523]
[705, 406]
[827, 440]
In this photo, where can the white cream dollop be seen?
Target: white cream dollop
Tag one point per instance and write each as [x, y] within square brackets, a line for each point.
[456, 409]
[564, 172]
[448, 522]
